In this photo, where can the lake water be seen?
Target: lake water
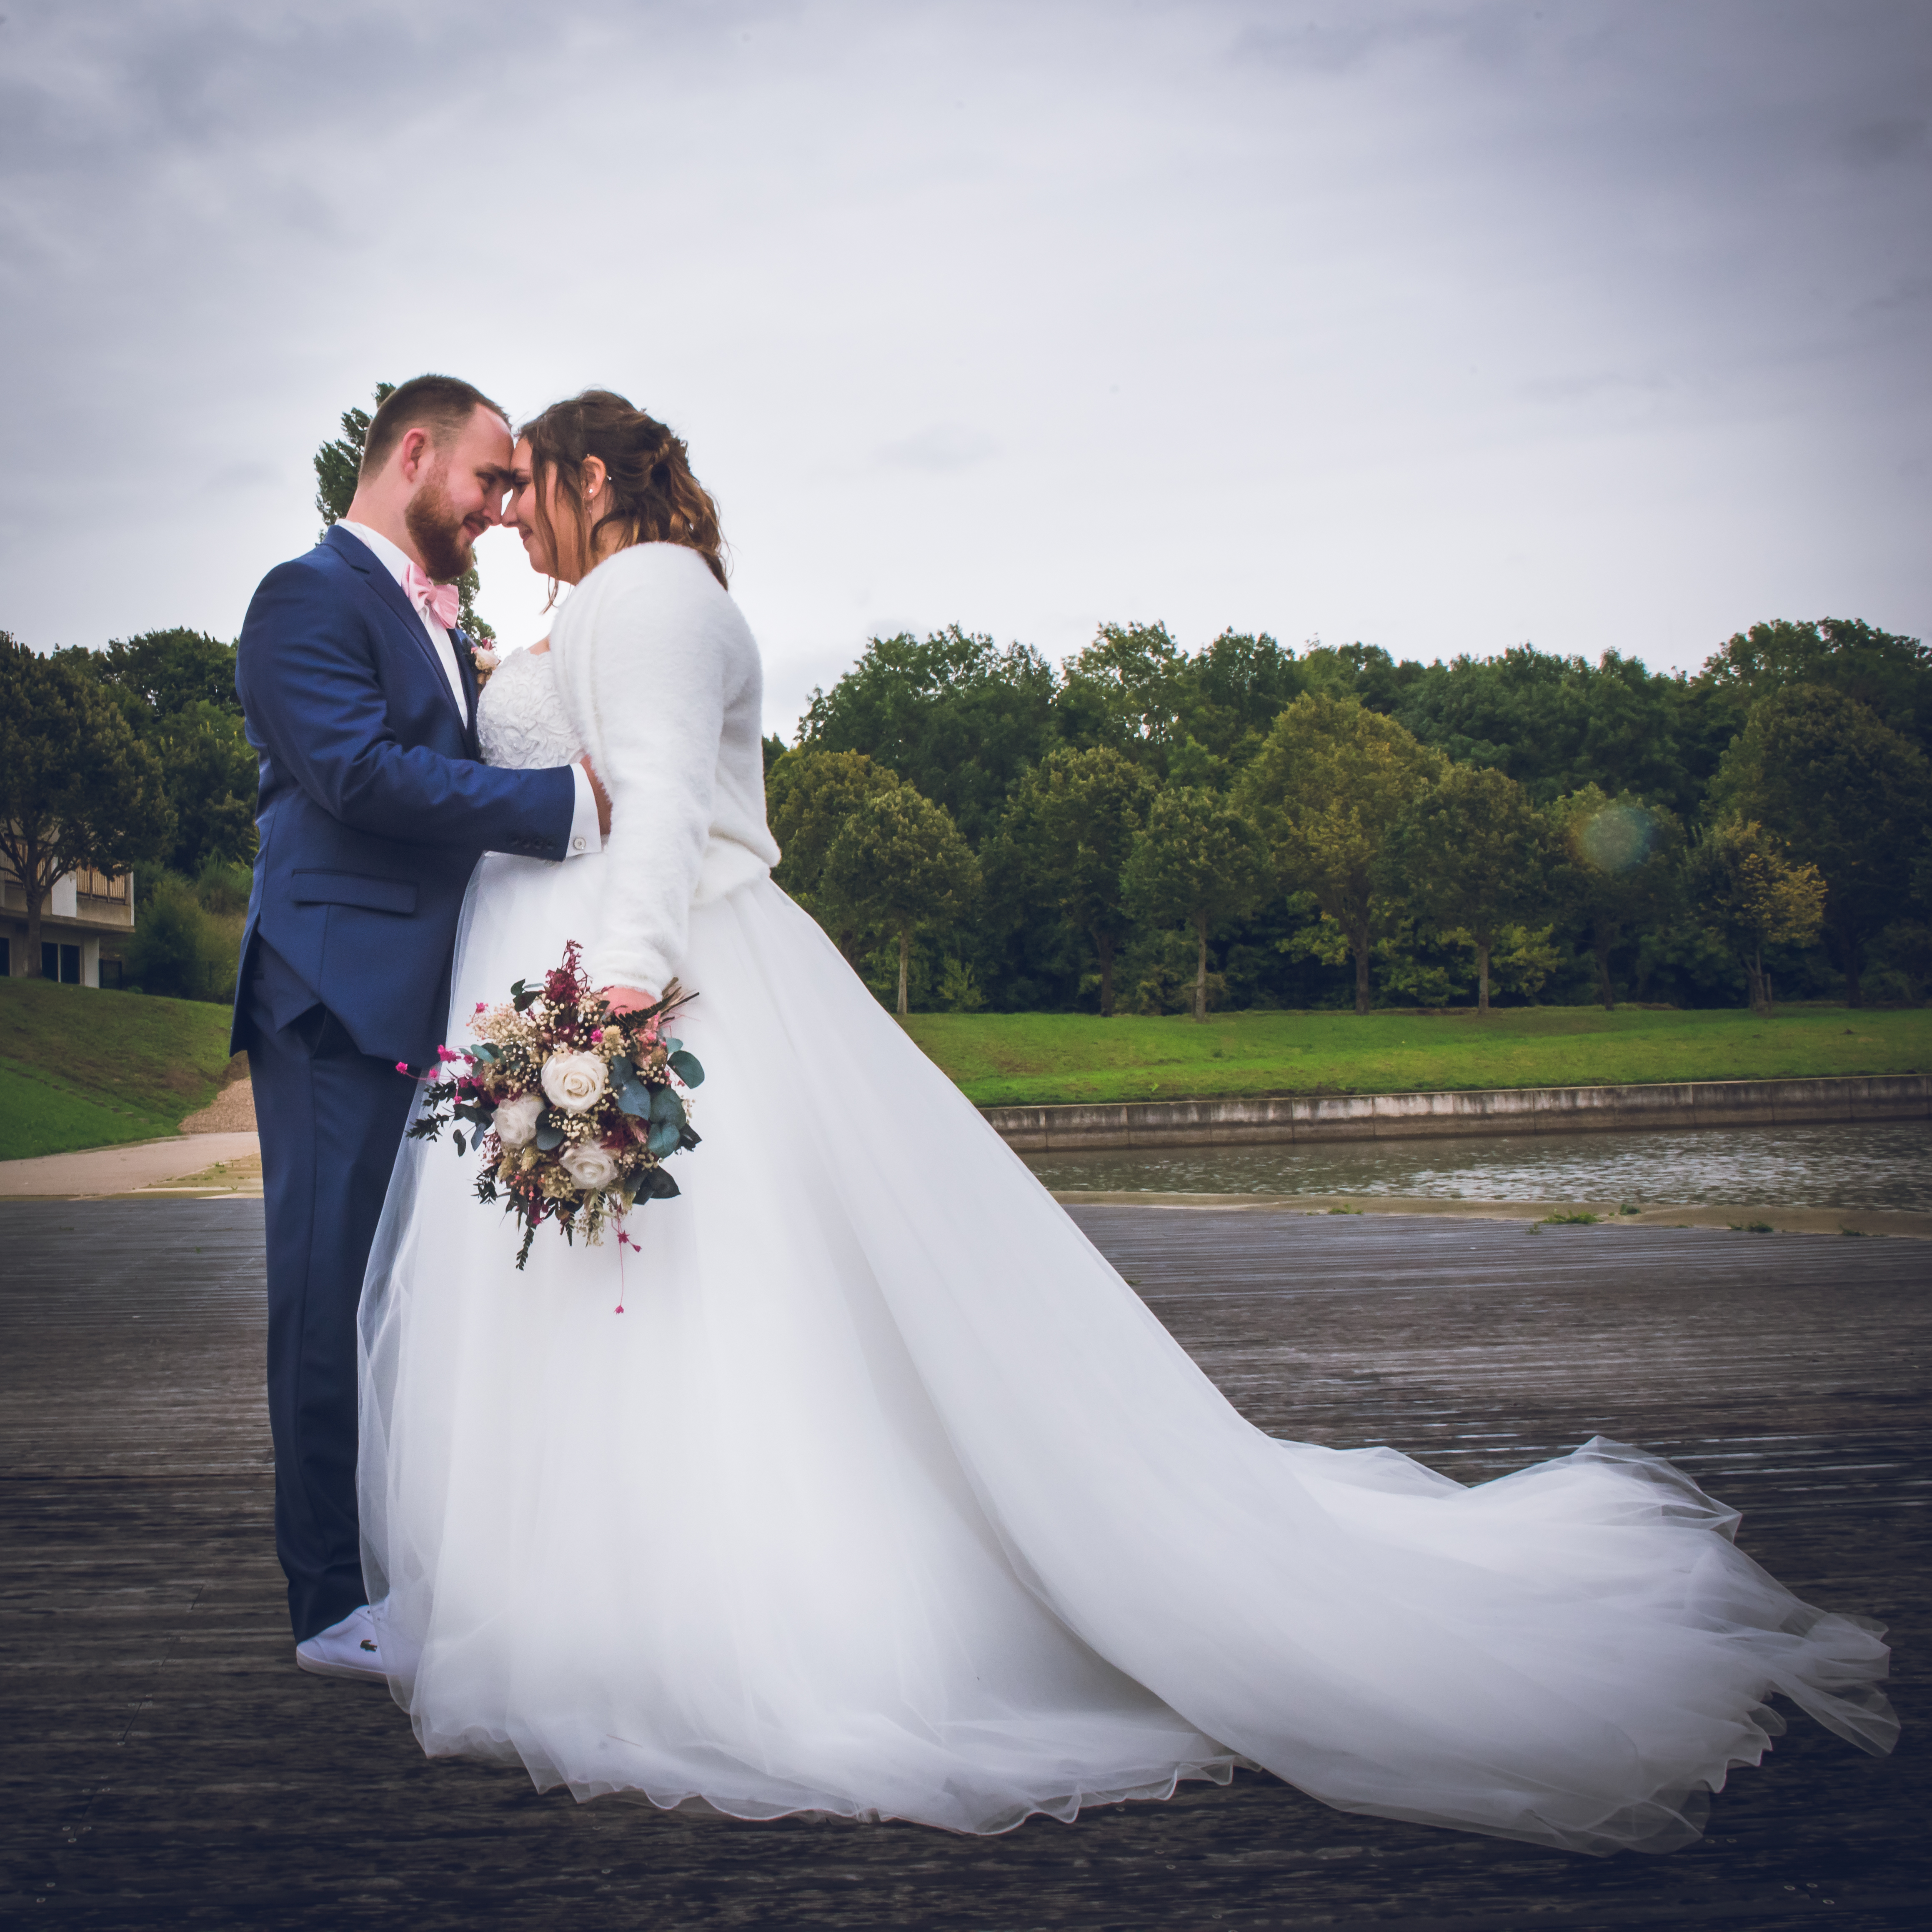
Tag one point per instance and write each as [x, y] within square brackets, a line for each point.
[1884, 1164]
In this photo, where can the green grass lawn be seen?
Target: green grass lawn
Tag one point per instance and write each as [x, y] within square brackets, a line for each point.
[81, 1068]
[1038, 1059]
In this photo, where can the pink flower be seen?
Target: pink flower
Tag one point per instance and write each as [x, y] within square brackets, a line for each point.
[596, 1033]
[444, 1053]
[402, 1067]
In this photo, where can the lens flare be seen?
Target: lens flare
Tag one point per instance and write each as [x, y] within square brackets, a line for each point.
[1617, 838]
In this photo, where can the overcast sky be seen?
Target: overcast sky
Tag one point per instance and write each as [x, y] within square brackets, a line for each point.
[1447, 326]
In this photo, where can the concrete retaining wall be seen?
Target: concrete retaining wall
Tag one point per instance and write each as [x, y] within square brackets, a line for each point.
[1523, 1110]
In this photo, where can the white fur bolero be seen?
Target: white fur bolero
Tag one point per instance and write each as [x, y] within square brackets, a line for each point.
[661, 676]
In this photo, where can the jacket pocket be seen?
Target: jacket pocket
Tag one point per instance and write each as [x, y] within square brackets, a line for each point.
[353, 888]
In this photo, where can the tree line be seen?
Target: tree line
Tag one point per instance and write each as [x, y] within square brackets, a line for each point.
[1165, 830]
[1149, 828]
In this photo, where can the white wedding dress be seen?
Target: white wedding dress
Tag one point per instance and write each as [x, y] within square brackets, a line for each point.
[885, 1496]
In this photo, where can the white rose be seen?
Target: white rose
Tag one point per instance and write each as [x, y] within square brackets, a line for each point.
[515, 1119]
[574, 1081]
[486, 658]
[590, 1166]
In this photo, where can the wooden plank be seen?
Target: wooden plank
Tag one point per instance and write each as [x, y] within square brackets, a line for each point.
[162, 1763]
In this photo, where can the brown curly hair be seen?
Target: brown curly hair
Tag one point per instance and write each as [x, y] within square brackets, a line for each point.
[654, 497]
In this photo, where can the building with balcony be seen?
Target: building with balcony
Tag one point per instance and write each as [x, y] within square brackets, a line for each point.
[84, 908]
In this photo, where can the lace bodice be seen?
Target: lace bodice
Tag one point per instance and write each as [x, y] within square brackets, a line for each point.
[521, 719]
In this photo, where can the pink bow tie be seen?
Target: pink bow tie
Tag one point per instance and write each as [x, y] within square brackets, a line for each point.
[441, 601]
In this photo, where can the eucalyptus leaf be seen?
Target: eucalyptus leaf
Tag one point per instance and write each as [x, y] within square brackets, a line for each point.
[460, 1147]
[623, 1071]
[660, 1186]
[635, 1100]
[664, 1138]
[548, 1139]
[688, 1067]
[665, 1106]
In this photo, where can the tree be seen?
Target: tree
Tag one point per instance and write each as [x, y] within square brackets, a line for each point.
[899, 858]
[77, 787]
[1128, 689]
[176, 688]
[1135, 689]
[1074, 821]
[1753, 896]
[1469, 854]
[1326, 789]
[1556, 723]
[1197, 862]
[1614, 867]
[161, 673]
[1847, 794]
[338, 466]
[1890, 675]
[1231, 692]
[955, 716]
[211, 772]
[809, 797]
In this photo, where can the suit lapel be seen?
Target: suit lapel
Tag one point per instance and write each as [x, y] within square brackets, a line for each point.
[359, 557]
[472, 690]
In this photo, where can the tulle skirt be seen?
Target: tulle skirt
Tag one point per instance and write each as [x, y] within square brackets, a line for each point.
[885, 1497]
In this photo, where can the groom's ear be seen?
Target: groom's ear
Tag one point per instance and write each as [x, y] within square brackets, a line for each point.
[414, 454]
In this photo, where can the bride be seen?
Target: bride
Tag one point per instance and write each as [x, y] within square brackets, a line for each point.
[886, 1496]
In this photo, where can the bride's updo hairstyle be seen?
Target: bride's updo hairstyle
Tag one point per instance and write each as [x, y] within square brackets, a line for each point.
[654, 498]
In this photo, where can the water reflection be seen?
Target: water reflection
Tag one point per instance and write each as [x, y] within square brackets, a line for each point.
[1886, 1164]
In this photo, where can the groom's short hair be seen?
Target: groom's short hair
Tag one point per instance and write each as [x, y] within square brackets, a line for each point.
[441, 404]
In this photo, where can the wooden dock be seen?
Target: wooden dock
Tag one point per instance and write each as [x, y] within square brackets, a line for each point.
[164, 1764]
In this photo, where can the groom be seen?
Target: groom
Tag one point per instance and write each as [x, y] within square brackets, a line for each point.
[373, 807]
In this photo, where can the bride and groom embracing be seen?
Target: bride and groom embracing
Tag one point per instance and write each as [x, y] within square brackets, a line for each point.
[887, 1497]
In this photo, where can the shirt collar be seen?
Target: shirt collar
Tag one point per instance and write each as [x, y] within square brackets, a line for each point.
[392, 559]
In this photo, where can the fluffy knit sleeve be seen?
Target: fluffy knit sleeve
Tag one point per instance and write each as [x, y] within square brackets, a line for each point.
[650, 649]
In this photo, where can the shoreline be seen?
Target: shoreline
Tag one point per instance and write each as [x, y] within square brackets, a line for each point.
[1559, 1217]
[1462, 1113]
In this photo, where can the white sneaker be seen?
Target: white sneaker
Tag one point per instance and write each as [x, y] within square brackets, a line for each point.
[346, 1649]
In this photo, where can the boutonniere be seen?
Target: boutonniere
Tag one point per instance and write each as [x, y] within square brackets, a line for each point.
[485, 659]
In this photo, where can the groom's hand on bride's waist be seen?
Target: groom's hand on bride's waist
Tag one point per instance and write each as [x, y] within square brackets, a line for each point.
[602, 797]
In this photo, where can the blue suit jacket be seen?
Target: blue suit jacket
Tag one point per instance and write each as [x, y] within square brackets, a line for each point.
[373, 808]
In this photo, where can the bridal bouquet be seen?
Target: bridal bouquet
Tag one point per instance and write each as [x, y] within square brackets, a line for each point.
[574, 1109]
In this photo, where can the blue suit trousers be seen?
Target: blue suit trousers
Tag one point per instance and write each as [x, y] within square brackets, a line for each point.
[331, 1119]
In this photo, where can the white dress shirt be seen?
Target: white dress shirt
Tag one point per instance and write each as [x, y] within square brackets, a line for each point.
[584, 835]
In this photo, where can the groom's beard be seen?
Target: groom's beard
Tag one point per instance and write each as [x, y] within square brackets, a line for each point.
[444, 545]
